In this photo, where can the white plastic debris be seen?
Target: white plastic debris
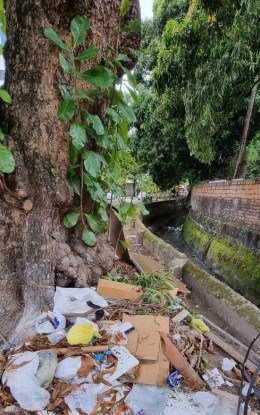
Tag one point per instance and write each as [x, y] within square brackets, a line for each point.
[67, 369]
[84, 397]
[80, 320]
[57, 336]
[73, 301]
[50, 322]
[228, 364]
[213, 378]
[126, 362]
[149, 399]
[24, 386]
[47, 365]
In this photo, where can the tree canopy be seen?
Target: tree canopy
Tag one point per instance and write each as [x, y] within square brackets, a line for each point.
[202, 63]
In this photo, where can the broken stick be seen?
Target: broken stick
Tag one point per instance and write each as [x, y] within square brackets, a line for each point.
[180, 363]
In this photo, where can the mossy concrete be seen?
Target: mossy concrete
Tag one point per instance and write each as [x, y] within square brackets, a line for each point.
[238, 266]
[239, 314]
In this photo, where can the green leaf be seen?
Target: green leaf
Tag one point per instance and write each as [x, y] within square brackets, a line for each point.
[5, 96]
[124, 208]
[103, 213]
[65, 65]
[88, 53]
[66, 110]
[95, 223]
[79, 26]
[123, 58]
[73, 153]
[82, 94]
[7, 161]
[98, 76]
[126, 111]
[143, 210]
[53, 171]
[120, 142]
[54, 37]
[78, 135]
[134, 26]
[71, 219]
[91, 162]
[114, 115]
[103, 141]
[133, 94]
[1, 136]
[124, 244]
[95, 121]
[65, 92]
[74, 182]
[125, 5]
[88, 237]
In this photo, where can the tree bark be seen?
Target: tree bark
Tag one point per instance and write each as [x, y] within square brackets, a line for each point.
[37, 252]
[240, 166]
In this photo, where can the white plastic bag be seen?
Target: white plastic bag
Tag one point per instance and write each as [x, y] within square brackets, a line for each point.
[50, 322]
[57, 336]
[84, 397]
[67, 369]
[73, 301]
[24, 386]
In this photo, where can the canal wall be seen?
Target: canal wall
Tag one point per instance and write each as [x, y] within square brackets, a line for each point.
[241, 317]
[223, 229]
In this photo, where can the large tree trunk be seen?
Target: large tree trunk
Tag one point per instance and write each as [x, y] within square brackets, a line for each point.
[37, 252]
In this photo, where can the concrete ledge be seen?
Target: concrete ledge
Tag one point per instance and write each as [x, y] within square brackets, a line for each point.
[239, 314]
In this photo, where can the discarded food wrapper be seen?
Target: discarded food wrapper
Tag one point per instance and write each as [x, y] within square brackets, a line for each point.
[20, 377]
[228, 364]
[73, 301]
[50, 322]
[81, 333]
[199, 325]
[174, 379]
[214, 378]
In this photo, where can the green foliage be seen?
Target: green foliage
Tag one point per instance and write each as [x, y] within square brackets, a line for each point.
[156, 286]
[71, 219]
[253, 158]
[5, 96]
[203, 59]
[96, 145]
[7, 161]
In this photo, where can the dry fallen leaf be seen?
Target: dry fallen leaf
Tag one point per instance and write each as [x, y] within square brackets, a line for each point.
[87, 364]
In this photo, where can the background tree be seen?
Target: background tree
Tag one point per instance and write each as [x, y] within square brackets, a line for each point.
[203, 61]
[37, 251]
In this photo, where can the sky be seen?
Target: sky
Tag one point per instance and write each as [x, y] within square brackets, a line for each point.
[146, 8]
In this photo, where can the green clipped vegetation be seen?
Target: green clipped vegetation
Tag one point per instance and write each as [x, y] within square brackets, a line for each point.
[195, 238]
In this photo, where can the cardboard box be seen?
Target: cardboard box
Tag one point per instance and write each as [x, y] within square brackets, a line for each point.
[144, 342]
[119, 290]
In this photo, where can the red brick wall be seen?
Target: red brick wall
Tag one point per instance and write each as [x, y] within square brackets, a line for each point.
[236, 202]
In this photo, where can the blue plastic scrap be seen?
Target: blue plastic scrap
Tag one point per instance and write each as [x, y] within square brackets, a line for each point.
[174, 379]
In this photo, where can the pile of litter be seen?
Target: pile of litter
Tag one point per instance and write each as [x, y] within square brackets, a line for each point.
[98, 353]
